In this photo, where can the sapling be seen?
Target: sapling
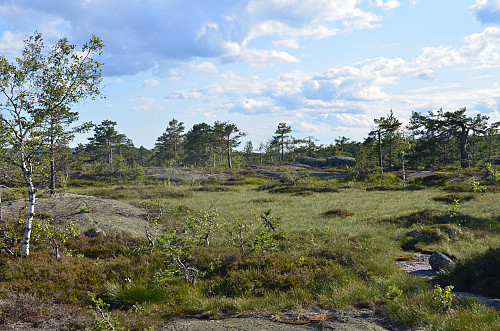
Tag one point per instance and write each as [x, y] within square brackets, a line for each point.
[202, 225]
[442, 297]
[271, 223]
[153, 229]
[178, 247]
[264, 240]
[103, 319]
[237, 231]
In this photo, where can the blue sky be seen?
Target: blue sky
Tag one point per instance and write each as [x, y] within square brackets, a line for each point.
[325, 67]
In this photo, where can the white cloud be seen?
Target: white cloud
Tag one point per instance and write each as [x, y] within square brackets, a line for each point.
[176, 70]
[209, 116]
[11, 44]
[251, 106]
[143, 35]
[289, 43]
[435, 88]
[388, 5]
[487, 11]
[307, 127]
[147, 104]
[150, 83]
[259, 56]
[480, 49]
[484, 47]
[353, 119]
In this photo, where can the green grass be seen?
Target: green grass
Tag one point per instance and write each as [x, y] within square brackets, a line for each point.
[319, 261]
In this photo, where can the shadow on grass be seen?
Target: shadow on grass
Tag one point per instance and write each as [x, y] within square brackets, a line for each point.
[432, 217]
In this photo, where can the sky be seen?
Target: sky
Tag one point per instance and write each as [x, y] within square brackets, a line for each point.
[327, 68]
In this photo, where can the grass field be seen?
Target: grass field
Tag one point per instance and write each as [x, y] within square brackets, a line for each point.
[232, 247]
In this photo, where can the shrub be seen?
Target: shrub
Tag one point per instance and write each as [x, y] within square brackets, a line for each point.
[295, 189]
[213, 188]
[432, 234]
[479, 273]
[136, 292]
[451, 198]
[425, 217]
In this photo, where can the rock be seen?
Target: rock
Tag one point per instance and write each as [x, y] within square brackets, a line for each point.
[311, 161]
[95, 232]
[340, 160]
[441, 262]
[495, 303]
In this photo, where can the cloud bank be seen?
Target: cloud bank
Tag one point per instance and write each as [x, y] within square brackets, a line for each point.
[148, 34]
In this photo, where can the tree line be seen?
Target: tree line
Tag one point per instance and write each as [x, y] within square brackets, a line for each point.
[433, 140]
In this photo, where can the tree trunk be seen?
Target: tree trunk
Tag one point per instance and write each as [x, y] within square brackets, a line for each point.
[403, 165]
[464, 154]
[52, 167]
[229, 164]
[52, 185]
[282, 149]
[110, 156]
[25, 248]
[380, 163]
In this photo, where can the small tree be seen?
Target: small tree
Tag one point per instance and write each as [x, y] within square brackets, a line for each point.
[167, 145]
[59, 135]
[447, 125]
[279, 139]
[248, 152]
[105, 140]
[198, 143]
[230, 134]
[340, 145]
[34, 88]
[385, 132]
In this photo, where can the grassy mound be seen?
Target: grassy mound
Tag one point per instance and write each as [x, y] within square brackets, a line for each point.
[479, 273]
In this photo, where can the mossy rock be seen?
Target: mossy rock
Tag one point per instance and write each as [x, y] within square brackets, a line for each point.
[109, 215]
[431, 234]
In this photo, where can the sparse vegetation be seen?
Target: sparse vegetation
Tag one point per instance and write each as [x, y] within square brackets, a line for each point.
[248, 257]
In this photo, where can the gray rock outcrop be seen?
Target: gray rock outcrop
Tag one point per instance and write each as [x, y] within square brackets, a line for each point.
[340, 160]
[311, 161]
[441, 263]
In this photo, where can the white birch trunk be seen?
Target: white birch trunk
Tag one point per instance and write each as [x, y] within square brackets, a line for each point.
[25, 248]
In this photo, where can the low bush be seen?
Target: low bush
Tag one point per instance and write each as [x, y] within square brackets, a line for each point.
[294, 189]
[479, 273]
[213, 188]
[451, 198]
[127, 294]
[424, 235]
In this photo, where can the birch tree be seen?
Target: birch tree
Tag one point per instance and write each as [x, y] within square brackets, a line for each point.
[38, 86]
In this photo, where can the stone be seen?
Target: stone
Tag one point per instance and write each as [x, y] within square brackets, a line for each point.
[495, 303]
[441, 263]
[311, 161]
[95, 232]
[340, 160]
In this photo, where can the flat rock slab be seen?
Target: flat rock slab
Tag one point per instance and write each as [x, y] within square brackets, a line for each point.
[84, 211]
[419, 266]
[351, 321]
